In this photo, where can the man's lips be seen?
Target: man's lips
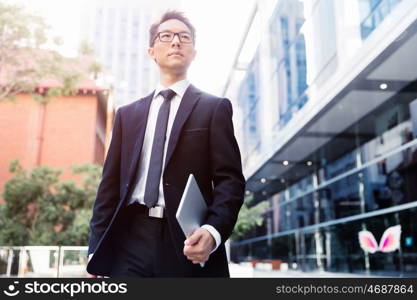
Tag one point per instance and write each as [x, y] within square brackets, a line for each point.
[175, 54]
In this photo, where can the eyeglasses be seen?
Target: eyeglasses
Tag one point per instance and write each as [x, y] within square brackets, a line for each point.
[168, 36]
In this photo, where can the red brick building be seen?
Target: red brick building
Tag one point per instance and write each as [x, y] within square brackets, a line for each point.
[65, 131]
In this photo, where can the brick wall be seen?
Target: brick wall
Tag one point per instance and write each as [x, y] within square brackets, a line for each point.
[58, 134]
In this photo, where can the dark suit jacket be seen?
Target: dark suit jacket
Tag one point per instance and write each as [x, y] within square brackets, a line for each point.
[202, 142]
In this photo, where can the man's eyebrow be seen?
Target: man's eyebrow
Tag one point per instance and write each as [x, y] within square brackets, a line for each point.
[175, 32]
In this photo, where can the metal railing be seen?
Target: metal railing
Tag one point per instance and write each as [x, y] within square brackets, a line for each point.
[43, 261]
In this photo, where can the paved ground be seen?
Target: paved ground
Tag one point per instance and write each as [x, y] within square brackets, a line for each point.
[236, 271]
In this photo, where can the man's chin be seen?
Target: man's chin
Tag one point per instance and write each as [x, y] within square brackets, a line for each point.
[177, 68]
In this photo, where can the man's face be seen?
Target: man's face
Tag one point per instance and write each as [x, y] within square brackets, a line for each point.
[173, 56]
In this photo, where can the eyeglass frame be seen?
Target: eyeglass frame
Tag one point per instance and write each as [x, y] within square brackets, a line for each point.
[157, 36]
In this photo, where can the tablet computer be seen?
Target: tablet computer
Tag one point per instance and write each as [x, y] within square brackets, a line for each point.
[192, 208]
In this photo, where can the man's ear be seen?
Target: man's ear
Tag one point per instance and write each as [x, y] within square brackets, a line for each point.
[151, 53]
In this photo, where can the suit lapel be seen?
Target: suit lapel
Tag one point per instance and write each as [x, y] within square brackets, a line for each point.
[141, 114]
[190, 98]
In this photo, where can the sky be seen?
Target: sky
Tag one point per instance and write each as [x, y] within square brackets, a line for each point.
[219, 25]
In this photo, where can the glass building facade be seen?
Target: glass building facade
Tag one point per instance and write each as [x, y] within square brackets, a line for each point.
[341, 156]
[289, 53]
[249, 94]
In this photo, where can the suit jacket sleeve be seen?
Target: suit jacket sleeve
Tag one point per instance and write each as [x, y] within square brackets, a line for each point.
[109, 188]
[226, 172]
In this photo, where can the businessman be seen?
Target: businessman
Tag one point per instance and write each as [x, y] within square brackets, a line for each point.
[157, 142]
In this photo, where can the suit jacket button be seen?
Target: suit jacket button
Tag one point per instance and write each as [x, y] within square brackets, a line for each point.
[167, 184]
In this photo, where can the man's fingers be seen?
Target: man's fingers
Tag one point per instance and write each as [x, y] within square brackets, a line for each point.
[193, 239]
[196, 247]
[198, 258]
[194, 258]
[197, 261]
[193, 250]
[94, 276]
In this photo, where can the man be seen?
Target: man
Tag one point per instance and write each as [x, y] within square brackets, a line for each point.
[156, 143]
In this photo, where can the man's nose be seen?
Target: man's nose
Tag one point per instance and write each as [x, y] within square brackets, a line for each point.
[176, 39]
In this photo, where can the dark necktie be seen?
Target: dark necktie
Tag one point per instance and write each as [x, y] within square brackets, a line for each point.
[155, 163]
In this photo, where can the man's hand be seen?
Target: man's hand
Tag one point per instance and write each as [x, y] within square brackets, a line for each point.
[198, 246]
[94, 276]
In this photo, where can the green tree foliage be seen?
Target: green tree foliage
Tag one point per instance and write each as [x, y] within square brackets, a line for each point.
[40, 210]
[249, 218]
[25, 63]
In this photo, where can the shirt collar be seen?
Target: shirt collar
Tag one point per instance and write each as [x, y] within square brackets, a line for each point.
[179, 88]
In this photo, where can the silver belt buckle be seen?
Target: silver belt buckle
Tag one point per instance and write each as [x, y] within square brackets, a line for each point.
[156, 212]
